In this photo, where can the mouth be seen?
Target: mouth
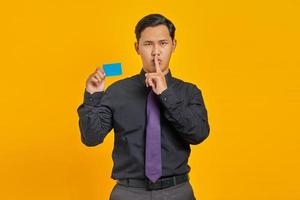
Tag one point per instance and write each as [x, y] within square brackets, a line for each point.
[159, 61]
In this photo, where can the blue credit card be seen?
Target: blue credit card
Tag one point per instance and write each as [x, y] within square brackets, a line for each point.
[113, 69]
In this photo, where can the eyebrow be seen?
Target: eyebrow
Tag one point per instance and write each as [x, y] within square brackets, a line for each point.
[150, 41]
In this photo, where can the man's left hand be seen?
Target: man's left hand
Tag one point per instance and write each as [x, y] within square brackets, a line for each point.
[157, 79]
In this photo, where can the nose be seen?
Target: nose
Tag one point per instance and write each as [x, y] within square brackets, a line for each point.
[155, 50]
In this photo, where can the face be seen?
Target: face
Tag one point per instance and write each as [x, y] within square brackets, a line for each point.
[155, 41]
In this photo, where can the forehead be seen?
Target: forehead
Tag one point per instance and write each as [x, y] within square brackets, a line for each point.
[155, 33]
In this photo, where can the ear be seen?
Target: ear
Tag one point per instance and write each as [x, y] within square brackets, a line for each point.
[174, 45]
[136, 46]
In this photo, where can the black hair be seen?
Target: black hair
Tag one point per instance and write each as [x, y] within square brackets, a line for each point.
[151, 21]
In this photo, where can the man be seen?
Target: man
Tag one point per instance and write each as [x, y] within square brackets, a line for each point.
[155, 118]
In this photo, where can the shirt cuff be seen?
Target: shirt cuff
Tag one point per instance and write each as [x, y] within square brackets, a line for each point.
[169, 99]
[92, 99]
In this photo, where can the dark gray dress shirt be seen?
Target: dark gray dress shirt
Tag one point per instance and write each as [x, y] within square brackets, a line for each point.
[122, 107]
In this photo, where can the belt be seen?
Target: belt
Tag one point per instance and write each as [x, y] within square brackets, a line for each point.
[159, 184]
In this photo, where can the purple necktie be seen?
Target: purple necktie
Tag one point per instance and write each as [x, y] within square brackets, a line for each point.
[153, 139]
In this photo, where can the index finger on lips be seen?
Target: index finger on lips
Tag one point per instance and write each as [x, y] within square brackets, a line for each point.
[157, 68]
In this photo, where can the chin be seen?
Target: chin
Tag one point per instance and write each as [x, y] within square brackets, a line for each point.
[147, 70]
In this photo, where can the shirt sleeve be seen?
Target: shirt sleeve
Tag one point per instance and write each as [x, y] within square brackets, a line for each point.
[95, 117]
[189, 119]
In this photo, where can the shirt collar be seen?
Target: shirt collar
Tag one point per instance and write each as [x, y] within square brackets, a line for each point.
[168, 77]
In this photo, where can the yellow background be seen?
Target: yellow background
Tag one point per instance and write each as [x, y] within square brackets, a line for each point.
[243, 55]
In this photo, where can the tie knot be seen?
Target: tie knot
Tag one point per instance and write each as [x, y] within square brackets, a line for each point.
[152, 98]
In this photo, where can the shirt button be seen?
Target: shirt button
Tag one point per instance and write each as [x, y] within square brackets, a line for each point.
[91, 99]
[165, 98]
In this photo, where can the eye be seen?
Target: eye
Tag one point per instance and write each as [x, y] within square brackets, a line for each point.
[164, 43]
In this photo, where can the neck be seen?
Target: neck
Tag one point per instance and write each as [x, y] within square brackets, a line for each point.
[165, 71]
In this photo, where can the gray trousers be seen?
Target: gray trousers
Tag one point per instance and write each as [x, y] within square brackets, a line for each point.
[183, 191]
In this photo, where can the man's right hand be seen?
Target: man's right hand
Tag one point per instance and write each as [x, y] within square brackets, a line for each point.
[96, 81]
